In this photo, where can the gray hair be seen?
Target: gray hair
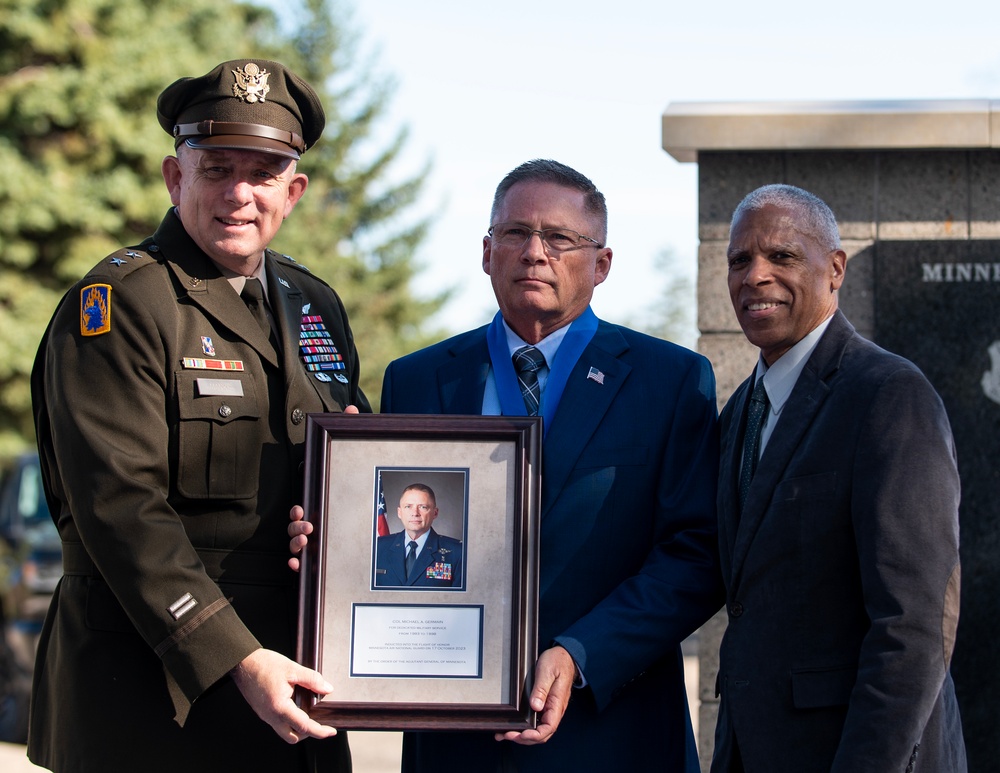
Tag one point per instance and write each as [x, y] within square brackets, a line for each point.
[819, 221]
[549, 171]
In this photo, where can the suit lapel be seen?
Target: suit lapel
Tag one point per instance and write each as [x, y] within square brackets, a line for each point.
[207, 288]
[729, 462]
[808, 396]
[462, 380]
[426, 557]
[582, 408]
[286, 301]
[397, 558]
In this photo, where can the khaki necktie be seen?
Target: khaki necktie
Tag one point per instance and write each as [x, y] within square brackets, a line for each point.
[253, 297]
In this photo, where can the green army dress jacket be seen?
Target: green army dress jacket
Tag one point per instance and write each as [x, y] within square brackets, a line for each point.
[171, 433]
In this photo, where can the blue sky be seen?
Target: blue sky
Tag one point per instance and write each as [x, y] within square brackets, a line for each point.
[485, 86]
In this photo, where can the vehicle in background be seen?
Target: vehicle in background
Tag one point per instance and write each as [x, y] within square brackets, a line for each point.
[30, 569]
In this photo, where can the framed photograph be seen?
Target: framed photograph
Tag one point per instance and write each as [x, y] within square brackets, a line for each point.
[419, 586]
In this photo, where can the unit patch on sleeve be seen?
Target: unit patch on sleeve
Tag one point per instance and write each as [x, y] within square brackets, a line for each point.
[95, 310]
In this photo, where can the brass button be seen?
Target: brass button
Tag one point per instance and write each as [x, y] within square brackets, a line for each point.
[225, 411]
[298, 416]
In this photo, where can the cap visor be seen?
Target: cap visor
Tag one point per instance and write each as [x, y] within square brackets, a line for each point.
[242, 142]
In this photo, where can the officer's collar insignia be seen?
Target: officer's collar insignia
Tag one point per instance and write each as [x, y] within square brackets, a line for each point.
[251, 84]
[95, 310]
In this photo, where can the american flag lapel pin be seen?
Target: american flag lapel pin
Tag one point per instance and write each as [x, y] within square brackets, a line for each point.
[596, 375]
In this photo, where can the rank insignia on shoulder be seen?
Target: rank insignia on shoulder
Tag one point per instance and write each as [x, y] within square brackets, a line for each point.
[95, 310]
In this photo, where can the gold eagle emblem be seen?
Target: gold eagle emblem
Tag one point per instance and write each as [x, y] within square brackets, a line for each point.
[251, 83]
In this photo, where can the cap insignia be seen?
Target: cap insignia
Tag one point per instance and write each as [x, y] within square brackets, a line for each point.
[251, 84]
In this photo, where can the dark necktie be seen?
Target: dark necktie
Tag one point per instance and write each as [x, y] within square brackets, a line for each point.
[527, 362]
[253, 297]
[411, 558]
[759, 405]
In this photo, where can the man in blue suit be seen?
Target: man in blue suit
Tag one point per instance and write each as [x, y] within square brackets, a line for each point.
[628, 564]
[840, 545]
[417, 556]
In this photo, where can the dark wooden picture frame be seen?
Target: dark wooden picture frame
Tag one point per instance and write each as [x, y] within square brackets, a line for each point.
[445, 658]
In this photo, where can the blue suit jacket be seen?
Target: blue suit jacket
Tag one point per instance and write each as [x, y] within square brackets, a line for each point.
[628, 563]
[390, 553]
[842, 574]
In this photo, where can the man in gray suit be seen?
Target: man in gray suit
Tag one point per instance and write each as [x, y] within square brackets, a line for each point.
[838, 503]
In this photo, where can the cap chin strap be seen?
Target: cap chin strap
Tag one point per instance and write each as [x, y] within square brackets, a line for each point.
[209, 128]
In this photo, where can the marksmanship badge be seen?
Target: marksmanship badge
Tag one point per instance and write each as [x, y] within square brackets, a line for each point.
[251, 83]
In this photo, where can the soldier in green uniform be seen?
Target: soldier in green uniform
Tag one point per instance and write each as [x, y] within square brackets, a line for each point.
[170, 393]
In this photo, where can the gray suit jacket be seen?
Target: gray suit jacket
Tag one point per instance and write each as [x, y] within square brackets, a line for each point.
[842, 574]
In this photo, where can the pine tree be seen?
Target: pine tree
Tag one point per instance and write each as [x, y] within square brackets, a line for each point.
[350, 227]
[672, 316]
[81, 152]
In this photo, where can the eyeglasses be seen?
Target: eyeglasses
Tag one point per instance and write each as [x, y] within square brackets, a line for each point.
[515, 236]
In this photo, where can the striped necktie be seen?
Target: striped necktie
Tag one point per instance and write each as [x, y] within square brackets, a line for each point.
[759, 405]
[527, 362]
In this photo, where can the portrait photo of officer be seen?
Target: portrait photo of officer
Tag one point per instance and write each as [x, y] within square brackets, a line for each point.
[417, 556]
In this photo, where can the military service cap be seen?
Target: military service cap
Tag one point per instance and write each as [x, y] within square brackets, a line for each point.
[245, 105]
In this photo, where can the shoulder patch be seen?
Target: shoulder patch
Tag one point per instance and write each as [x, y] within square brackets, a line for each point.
[95, 310]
